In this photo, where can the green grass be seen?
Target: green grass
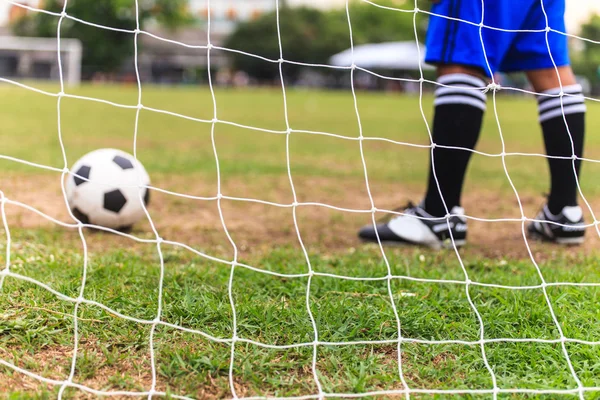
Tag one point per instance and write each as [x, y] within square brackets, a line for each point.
[36, 327]
[172, 145]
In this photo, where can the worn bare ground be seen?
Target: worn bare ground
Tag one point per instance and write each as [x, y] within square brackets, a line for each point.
[133, 373]
[257, 228]
[47, 362]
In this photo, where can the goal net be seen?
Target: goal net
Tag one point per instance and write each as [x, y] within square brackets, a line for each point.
[404, 380]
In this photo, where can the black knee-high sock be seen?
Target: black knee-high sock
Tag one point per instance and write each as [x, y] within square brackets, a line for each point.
[459, 111]
[563, 181]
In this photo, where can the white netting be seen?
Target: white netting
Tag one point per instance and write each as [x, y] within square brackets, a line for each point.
[234, 263]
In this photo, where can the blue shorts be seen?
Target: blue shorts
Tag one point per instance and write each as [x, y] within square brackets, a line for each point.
[456, 42]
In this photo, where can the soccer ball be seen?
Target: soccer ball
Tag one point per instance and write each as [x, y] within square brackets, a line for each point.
[103, 189]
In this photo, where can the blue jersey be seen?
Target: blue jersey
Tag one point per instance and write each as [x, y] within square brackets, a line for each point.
[508, 48]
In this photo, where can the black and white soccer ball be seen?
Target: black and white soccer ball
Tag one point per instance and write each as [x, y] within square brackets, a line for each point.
[104, 189]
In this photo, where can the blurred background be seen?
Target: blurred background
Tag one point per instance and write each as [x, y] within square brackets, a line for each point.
[311, 32]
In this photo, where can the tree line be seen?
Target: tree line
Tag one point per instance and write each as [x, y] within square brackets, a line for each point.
[587, 61]
[313, 36]
[307, 35]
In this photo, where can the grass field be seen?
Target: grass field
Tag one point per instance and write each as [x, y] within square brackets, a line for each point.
[441, 330]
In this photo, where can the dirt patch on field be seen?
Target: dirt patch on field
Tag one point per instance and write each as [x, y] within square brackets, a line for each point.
[11, 381]
[49, 362]
[130, 372]
[256, 227]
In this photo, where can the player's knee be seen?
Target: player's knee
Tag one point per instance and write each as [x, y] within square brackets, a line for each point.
[550, 78]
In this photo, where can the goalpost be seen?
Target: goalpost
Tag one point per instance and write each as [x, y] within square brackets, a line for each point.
[69, 73]
[29, 51]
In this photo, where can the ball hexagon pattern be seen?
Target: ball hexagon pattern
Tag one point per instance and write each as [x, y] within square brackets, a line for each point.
[104, 189]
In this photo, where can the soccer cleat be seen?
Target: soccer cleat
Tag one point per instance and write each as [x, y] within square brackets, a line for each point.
[565, 228]
[417, 227]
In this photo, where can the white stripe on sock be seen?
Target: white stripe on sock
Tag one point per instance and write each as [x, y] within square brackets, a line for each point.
[572, 109]
[461, 90]
[572, 89]
[460, 100]
[566, 101]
